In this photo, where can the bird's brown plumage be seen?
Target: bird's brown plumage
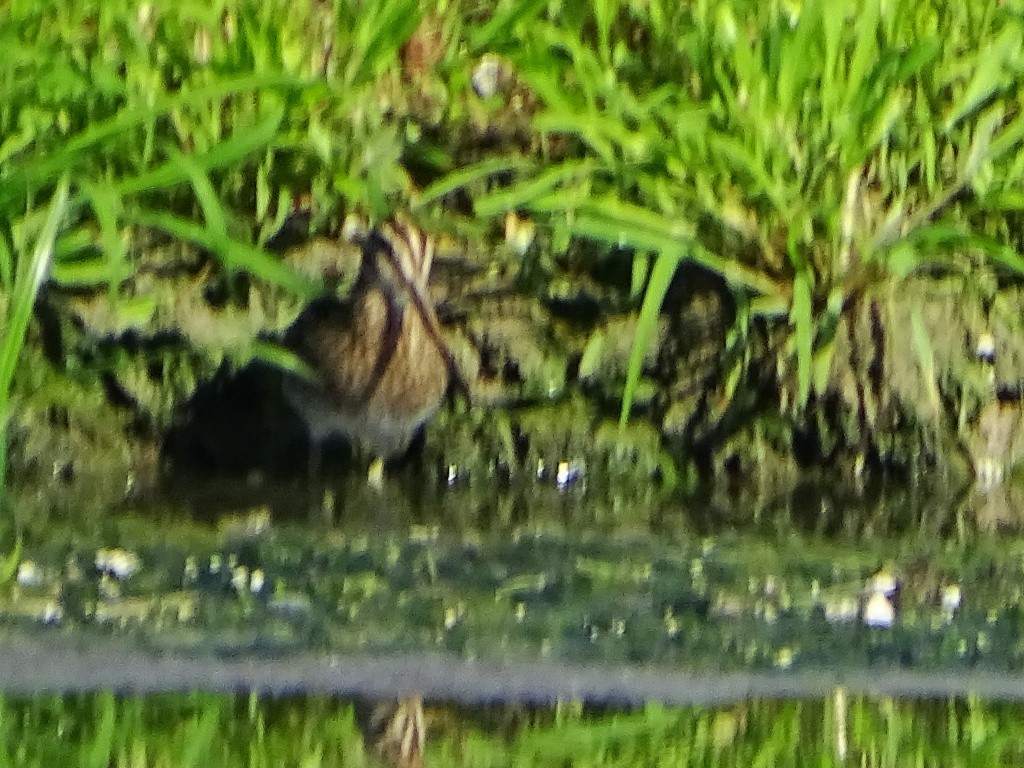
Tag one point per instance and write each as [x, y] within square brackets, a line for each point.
[381, 363]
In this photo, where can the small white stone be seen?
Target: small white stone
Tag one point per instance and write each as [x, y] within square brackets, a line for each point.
[519, 233]
[451, 617]
[879, 612]
[485, 76]
[784, 658]
[952, 595]
[52, 613]
[117, 562]
[883, 582]
[240, 578]
[29, 574]
[985, 350]
[568, 473]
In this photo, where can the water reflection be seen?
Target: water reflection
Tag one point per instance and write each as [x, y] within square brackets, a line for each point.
[475, 601]
[251, 731]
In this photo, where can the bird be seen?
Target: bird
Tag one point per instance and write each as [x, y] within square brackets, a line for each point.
[396, 729]
[380, 369]
[379, 363]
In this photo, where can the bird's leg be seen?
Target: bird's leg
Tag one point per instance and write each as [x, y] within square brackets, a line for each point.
[397, 730]
[319, 497]
[314, 477]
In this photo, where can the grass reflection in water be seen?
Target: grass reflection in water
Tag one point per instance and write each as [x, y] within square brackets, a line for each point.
[195, 729]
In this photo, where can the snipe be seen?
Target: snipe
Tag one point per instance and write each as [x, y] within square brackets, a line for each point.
[396, 730]
[381, 363]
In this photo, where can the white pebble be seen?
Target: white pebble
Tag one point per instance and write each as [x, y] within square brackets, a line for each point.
[29, 574]
[884, 583]
[952, 595]
[117, 562]
[985, 350]
[485, 76]
[879, 612]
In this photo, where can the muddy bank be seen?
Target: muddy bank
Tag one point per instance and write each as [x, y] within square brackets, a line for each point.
[179, 380]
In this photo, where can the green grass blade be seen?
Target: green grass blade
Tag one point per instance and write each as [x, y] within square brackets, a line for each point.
[733, 153]
[106, 206]
[801, 318]
[981, 141]
[466, 176]
[199, 735]
[7, 262]
[989, 75]
[593, 224]
[9, 563]
[381, 28]
[606, 136]
[932, 245]
[661, 277]
[26, 288]
[799, 58]
[925, 354]
[630, 217]
[245, 141]
[499, 32]
[282, 358]
[213, 211]
[34, 171]
[522, 193]
[888, 116]
[90, 273]
[865, 51]
[233, 254]
[98, 751]
[1009, 137]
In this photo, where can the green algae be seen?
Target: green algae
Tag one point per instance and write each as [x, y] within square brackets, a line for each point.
[563, 582]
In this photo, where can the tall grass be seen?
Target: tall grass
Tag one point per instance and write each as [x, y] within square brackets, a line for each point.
[800, 150]
[26, 266]
[203, 122]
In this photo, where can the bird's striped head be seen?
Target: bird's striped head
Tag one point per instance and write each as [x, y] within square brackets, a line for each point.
[402, 256]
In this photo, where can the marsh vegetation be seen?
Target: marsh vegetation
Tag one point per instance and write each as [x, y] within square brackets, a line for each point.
[734, 291]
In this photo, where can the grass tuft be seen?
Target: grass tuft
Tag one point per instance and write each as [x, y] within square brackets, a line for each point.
[30, 270]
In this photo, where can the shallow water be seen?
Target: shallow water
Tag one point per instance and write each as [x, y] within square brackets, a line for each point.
[540, 594]
[35, 665]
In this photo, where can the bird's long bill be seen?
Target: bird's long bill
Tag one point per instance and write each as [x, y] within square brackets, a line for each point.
[409, 253]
